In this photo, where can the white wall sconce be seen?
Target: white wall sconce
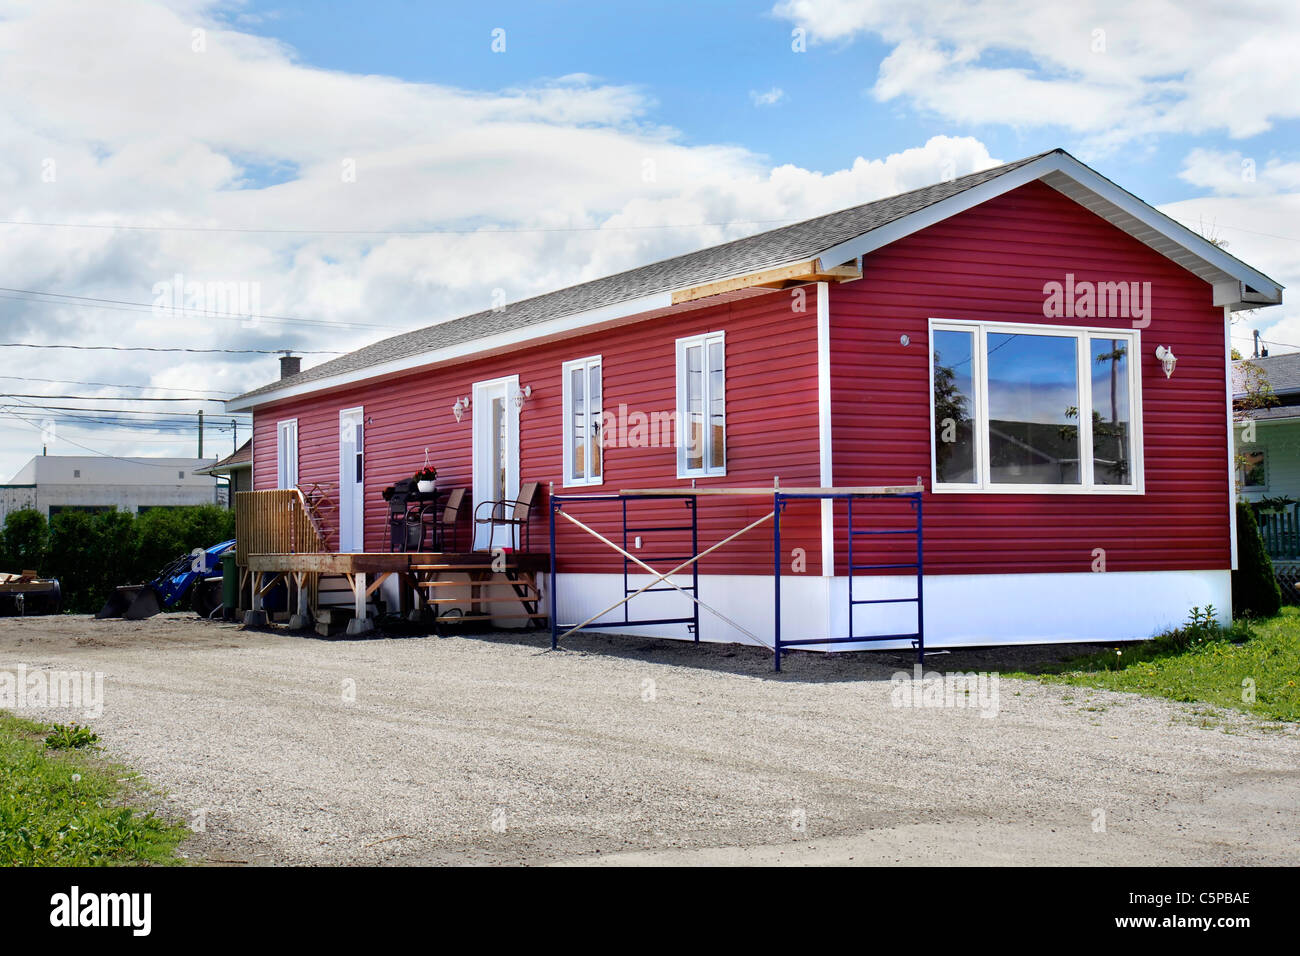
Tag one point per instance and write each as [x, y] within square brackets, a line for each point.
[461, 407]
[524, 395]
[1167, 359]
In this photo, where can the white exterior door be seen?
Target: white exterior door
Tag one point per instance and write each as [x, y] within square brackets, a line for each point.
[352, 470]
[496, 455]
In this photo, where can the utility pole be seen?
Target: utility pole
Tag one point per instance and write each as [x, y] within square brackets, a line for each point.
[200, 433]
[234, 441]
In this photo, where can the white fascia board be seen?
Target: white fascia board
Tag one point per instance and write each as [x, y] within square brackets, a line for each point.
[1103, 187]
[492, 343]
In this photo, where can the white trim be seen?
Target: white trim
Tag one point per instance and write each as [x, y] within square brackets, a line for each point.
[352, 512]
[480, 422]
[283, 429]
[702, 341]
[1232, 438]
[566, 370]
[824, 422]
[1083, 372]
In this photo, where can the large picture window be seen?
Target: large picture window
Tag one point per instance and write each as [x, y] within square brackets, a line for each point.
[583, 461]
[701, 405]
[1034, 409]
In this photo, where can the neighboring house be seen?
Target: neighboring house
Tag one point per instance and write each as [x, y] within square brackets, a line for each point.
[955, 332]
[1271, 466]
[236, 468]
[54, 483]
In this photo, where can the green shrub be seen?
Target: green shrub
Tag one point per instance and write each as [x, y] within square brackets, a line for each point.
[25, 541]
[1255, 591]
[91, 554]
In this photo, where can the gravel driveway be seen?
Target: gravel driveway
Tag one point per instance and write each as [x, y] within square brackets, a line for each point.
[289, 749]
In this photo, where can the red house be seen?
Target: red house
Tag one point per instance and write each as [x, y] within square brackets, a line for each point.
[1044, 351]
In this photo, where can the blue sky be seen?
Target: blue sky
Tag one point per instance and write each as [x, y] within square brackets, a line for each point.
[700, 65]
[250, 142]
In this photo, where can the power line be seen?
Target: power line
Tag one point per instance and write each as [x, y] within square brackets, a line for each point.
[392, 232]
[101, 454]
[125, 305]
[115, 398]
[68, 381]
[157, 413]
[150, 348]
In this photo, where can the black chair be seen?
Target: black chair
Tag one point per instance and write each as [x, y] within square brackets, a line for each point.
[512, 513]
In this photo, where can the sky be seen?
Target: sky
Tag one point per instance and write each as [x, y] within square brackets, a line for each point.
[343, 171]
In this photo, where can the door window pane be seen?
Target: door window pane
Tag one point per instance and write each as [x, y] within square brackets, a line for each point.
[1112, 453]
[954, 407]
[1033, 394]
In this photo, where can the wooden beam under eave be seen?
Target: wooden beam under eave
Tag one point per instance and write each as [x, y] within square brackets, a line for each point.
[779, 277]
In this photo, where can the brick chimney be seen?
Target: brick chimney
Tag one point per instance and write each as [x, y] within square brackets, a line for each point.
[290, 365]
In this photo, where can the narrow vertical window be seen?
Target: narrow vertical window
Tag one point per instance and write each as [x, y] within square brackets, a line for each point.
[286, 454]
[954, 407]
[702, 405]
[583, 460]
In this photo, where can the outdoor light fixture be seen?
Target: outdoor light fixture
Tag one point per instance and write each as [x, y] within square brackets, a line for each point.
[460, 408]
[1167, 359]
[524, 395]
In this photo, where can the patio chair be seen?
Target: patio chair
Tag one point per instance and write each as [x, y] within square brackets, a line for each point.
[510, 513]
[444, 518]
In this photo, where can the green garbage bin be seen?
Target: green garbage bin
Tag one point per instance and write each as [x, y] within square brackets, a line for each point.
[229, 584]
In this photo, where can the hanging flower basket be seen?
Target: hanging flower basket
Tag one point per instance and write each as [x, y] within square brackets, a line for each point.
[426, 476]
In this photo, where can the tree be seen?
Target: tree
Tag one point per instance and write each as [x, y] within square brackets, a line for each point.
[24, 542]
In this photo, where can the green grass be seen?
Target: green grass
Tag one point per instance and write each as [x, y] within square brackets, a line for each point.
[63, 807]
[1204, 664]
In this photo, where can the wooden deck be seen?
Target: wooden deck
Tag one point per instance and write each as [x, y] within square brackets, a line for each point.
[442, 588]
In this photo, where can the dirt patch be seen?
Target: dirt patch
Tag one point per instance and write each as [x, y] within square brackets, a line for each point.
[493, 749]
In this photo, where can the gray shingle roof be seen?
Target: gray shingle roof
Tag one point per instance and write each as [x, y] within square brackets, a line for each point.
[787, 244]
[1281, 371]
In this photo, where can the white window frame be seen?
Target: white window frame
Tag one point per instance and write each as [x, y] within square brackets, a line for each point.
[593, 417]
[1081, 334]
[283, 480]
[1255, 448]
[706, 471]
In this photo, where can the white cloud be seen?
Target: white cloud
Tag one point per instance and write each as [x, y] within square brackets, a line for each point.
[142, 129]
[1110, 70]
[1233, 173]
[770, 98]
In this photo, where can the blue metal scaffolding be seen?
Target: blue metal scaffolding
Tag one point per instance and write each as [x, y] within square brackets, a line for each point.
[781, 498]
[917, 637]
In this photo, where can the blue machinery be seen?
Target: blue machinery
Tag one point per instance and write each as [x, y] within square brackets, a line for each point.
[660, 581]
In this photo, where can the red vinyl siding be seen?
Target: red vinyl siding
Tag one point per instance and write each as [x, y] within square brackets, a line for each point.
[990, 263]
[771, 420]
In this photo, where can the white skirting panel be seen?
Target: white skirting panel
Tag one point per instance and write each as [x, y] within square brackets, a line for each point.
[960, 609]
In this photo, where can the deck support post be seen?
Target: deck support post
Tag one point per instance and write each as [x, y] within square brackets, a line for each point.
[255, 617]
[360, 624]
[302, 613]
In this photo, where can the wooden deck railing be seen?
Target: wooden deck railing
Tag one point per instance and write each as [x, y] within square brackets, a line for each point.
[274, 522]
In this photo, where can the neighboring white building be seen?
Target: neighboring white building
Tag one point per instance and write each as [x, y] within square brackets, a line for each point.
[52, 483]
